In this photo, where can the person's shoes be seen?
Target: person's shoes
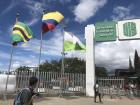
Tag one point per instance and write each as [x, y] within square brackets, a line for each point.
[101, 101]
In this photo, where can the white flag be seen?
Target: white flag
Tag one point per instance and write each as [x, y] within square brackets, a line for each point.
[71, 42]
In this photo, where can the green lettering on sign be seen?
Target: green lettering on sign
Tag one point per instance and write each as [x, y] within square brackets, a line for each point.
[105, 31]
[129, 29]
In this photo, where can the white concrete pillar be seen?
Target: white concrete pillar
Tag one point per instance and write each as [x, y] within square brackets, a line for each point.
[90, 64]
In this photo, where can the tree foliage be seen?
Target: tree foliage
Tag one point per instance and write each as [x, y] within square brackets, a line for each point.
[75, 65]
[71, 65]
[100, 72]
[53, 66]
[23, 68]
[137, 62]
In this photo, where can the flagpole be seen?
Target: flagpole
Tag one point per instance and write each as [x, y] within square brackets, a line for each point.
[11, 58]
[62, 65]
[40, 51]
[38, 73]
[63, 53]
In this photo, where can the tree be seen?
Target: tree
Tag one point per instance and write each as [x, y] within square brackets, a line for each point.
[23, 68]
[53, 66]
[136, 62]
[71, 65]
[130, 65]
[75, 65]
[136, 59]
[100, 72]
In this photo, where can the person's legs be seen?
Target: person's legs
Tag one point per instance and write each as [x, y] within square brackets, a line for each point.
[95, 97]
[100, 97]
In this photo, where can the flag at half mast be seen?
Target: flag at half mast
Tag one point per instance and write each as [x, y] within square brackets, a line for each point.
[21, 33]
[71, 42]
[51, 20]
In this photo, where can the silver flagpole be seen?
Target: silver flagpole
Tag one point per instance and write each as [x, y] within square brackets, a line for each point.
[62, 66]
[8, 73]
[63, 54]
[11, 57]
[41, 40]
[38, 73]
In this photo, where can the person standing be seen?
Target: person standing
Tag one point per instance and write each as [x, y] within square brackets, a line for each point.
[97, 92]
[25, 96]
[131, 87]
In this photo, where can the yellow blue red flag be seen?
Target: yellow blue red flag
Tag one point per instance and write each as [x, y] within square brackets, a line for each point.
[51, 20]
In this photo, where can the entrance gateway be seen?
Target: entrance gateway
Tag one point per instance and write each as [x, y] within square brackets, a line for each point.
[106, 31]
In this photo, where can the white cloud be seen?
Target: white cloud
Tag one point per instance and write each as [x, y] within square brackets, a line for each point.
[4, 55]
[33, 21]
[4, 43]
[19, 59]
[10, 28]
[87, 8]
[64, 1]
[78, 54]
[29, 63]
[35, 9]
[12, 5]
[27, 54]
[24, 60]
[16, 64]
[121, 13]
[51, 47]
[61, 1]
[114, 55]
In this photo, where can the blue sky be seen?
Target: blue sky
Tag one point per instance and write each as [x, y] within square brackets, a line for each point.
[78, 14]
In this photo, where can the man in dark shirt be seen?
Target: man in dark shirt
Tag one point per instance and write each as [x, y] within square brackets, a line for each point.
[97, 91]
[24, 97]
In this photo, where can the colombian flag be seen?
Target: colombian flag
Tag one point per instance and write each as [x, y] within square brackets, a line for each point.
[50, 20]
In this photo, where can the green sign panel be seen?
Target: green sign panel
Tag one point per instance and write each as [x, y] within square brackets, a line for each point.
[105, 31]
[129, 29]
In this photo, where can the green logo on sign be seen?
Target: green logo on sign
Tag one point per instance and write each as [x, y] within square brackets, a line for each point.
[129, 29]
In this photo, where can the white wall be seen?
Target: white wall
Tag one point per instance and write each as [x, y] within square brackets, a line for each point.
[11, 87]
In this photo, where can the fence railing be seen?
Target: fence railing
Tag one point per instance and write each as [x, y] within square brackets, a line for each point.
[111, 85]
[53, 82]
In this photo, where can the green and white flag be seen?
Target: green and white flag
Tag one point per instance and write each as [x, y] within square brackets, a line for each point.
[71, 42]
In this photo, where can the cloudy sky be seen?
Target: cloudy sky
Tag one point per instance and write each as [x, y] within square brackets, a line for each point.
[78, 14]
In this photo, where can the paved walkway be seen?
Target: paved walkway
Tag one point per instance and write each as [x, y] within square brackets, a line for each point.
[79, 101]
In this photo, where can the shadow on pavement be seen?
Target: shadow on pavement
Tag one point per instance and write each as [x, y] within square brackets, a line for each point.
[70, 97]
